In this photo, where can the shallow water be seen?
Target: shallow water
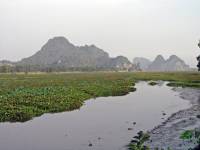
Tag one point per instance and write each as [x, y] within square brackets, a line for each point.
[102, 122]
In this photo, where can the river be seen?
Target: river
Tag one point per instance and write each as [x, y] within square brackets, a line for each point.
[105, 123]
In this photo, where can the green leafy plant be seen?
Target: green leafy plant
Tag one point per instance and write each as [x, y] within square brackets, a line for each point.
[138, 141]
[192, 136]
[187, 135]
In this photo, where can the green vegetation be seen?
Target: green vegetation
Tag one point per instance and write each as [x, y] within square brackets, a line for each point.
[187, 135]
[24, 96]
[138, 141]
[191, 136]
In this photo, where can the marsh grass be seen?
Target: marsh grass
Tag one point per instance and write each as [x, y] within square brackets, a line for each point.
[23, 97]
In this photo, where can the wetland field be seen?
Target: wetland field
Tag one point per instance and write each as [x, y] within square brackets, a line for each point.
[118, 106]
[23, 97]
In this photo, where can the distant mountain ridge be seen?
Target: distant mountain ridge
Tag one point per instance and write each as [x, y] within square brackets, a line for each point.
[173, 63]
[58, 54]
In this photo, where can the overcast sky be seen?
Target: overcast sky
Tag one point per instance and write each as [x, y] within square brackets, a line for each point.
[121, 27]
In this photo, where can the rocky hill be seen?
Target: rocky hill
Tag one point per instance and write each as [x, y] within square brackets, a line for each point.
[143, 63]
[173, 63]
[59, 52]
[120, 63]
[158, 64]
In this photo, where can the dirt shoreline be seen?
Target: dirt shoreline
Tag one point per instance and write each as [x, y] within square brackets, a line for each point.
[167, 135]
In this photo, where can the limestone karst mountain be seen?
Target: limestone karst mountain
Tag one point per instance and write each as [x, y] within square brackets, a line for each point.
[173, 63]
[60, 52]
[143, 63]
[157, 64]
[120, 62]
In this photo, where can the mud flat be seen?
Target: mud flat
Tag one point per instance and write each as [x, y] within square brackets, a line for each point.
[167, 135]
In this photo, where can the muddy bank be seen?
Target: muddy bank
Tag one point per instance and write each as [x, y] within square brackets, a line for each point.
[168, 133]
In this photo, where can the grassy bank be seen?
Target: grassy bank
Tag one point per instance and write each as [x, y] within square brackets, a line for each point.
[23, 97]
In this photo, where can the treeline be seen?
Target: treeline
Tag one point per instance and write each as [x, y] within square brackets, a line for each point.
[30, 68]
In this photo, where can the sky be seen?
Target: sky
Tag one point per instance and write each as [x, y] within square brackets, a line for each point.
[132, 28]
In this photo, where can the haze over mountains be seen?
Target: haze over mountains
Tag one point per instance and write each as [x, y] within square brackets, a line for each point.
[59, 54]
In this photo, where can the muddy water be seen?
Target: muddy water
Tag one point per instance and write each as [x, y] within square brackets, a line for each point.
[101, 124]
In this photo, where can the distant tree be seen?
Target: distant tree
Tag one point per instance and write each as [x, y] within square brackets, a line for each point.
[13, 70]
[18, 68]
[198, 59]
[4, 69]
[48, 69]
[26, 69]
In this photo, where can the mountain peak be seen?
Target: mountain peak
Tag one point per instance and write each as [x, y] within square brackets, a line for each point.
[57, 44]
[160, 58]
[58, 39]
[174, 57]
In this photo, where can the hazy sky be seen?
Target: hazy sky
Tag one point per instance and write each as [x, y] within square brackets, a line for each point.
[121, 27]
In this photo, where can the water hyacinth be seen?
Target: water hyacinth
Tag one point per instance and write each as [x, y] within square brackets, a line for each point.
[23, 96]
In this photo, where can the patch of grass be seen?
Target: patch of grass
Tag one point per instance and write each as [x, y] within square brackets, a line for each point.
[23, 97]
